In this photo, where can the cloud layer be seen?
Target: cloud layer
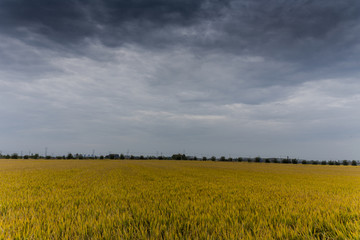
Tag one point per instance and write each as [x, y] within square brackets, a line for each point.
[239, 78]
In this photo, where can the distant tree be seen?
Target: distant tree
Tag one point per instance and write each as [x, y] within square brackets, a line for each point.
[353, 162]
[213, 158]
[276, 160]
[230, 159]
[69, 156]
[195, 158]
[345, 162]
[222, 158]
[331, 162]
[101, 157]
[14, 156]
[314, 162]
[285, 160]
[110, 156]
[48, 157]
[26, 156]
[323, 162]
[294, 161]
[303, 162]
[258, 159]
[337, 163]
[240, 159]
[141, 157]
[131, 157]
[122, 156]
[179, 156]
[249, 160]
[204, 158]
[267, 160]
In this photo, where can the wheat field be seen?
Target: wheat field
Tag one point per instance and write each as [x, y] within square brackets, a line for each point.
[152, 199]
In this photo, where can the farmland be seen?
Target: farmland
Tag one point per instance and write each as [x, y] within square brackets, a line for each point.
[152, 199]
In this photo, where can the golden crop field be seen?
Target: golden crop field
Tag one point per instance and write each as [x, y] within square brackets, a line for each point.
[107, 199]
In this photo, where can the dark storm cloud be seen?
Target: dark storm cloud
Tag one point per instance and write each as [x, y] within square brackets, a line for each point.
[115, 22]
[296, 19]
[314, 35]
[240, 25]
[291, 41]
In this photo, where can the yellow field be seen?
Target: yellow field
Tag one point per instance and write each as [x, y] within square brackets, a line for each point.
[104, 199]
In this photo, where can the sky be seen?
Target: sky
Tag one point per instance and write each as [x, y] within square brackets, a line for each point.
[269, 78]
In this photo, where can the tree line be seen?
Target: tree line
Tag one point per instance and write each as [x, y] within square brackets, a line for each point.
[179, 156]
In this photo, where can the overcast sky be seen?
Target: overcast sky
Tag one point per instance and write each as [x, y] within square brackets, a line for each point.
[270, 78]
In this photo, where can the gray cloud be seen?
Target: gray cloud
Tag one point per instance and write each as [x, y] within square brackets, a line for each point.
[209, 77]
[114, 22]
[245, 26]
[310, 37]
